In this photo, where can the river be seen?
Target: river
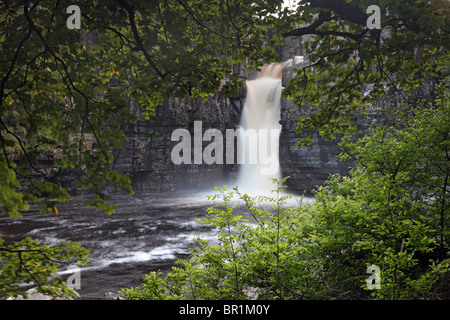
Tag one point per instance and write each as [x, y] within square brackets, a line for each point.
[148, 232]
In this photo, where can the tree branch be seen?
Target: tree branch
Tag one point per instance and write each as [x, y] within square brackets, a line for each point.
[323, 17]
[13, 62]
[344, 10]
[140, 44]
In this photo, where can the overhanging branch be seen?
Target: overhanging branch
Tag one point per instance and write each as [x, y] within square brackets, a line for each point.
[140, 44]
[344, 10]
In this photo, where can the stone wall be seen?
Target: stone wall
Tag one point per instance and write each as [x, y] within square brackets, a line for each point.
[146, 157]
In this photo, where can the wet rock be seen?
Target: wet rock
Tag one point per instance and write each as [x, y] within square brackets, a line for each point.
[34, 294]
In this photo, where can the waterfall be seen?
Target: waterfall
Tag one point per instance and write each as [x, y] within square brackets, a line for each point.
[258, 143]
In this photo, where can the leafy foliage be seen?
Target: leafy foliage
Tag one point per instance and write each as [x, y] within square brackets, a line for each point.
[402, 185]
[29, 262]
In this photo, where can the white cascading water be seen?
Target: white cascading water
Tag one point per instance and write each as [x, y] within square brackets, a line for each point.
[258, 149]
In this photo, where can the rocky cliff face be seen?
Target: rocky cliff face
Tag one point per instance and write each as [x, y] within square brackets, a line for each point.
[146, 157]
